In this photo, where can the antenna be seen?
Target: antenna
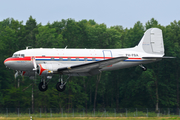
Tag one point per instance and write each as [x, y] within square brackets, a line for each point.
[27, 47]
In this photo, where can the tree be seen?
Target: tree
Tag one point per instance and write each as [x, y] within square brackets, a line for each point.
[47, 37]
[30, 32]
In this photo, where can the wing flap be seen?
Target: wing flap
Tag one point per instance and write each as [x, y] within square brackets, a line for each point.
[85, 67]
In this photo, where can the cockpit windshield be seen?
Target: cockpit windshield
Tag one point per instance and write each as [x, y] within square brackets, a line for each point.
[18, 55]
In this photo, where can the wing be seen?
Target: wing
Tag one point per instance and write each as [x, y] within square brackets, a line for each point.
[91, 67]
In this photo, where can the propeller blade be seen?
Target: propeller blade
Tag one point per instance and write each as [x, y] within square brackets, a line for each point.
[34, 63]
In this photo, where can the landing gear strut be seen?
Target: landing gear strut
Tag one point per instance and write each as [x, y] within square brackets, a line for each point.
[43, 85]
[143, 67]
[61, 85]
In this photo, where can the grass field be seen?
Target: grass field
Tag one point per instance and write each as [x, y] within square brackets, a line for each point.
[90, 115]
[93, 118]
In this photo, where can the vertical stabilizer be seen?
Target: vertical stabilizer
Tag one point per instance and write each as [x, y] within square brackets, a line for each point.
[152, 41]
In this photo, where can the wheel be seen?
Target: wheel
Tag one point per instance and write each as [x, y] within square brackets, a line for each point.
[144, 68]
[43, 87]
[60, 87]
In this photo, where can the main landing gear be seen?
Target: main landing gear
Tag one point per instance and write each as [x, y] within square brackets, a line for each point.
[61, 85]
[43, 85]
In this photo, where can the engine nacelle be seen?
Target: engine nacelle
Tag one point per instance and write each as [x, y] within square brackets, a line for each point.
[46, 69]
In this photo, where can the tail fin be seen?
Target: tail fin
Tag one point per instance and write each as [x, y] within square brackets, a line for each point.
[152, 42]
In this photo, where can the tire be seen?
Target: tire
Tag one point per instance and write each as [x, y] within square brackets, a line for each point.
[144, 69]
[41, 88]
[58, 87]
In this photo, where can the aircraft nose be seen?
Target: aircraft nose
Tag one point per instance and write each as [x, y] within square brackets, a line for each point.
[6, 62]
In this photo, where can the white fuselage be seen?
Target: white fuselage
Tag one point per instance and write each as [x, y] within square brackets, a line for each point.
[22, 60]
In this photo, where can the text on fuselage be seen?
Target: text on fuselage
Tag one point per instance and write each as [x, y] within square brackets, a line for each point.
[132, 55]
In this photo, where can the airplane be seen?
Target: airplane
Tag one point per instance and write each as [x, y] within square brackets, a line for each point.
[46, 62]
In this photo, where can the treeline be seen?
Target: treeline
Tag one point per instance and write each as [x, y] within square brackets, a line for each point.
[125, 88]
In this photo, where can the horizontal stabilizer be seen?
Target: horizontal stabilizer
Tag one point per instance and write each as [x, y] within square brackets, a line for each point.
[165, 57]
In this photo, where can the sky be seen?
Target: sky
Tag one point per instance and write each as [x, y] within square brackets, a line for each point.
[110, 12]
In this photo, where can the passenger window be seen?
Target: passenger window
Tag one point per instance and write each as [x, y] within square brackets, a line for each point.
[60, 59]
[93, 59]
[85, 59]
[69, 59]
[52, 58]
[77, 59]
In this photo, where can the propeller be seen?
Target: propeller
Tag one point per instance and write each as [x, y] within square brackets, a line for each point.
[34, 63]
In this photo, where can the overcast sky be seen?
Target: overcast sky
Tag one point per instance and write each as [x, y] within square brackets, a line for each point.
[109, 12]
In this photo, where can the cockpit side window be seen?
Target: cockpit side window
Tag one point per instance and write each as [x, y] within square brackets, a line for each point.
[18, 55]
[22, 55]
[15, 55]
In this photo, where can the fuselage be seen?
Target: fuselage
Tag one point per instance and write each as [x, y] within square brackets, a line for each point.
[22, 60]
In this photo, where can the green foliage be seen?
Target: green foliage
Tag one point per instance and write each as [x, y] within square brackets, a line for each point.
[48, 37]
